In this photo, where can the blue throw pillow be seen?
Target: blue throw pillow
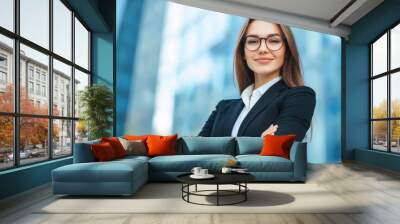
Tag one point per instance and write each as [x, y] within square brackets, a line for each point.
[249, 145]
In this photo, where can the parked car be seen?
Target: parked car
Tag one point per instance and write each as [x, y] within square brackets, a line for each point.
[25, 154]
[22, 155]
[10, 156]
[57, 152]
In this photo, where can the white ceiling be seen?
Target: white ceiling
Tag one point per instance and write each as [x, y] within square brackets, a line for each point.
[317, 15]
[321, 9]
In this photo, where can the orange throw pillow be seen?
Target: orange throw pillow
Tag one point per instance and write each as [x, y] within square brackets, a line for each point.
[135, 137]
[116, 145]
[161, 145]
[277, 145]
[103, 151]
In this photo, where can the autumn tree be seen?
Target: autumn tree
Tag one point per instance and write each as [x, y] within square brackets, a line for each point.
[6, 122]
[380, 127]
[81, 129]
[33, 131]
[396, 123]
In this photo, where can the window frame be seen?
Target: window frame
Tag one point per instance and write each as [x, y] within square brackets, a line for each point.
[388, 74]
[16, 115]
[3, 77]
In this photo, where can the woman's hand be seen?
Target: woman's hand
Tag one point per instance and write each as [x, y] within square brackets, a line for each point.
[270, 131]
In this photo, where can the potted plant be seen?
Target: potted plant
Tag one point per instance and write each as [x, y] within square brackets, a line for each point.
[97, 103]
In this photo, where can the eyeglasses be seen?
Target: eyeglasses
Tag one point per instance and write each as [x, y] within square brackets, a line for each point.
[273, 42]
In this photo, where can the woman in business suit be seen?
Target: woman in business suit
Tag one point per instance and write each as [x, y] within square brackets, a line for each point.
[273, 97]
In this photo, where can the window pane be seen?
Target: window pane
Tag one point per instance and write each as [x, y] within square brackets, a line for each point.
[62, 89]
[379, 97]
[62, 29]
[81, 131]
[81, 81]
[35, 21]
[395, 94]
[33, 140]
[6, 142]
[379, 55]
[7, 14]
[34, 97]
[62, 138]
[395, 47]
[395, 135]
[6, 74]
[81, 45]
[379, 135]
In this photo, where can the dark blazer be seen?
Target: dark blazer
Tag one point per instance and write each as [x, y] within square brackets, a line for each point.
[290, 108]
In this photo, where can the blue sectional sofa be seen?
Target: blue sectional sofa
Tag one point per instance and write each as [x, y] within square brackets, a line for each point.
[125, 176]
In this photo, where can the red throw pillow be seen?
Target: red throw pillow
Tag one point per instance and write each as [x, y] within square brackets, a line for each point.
[277, 145]
[161, 145]
[103, 151]
[116, 145]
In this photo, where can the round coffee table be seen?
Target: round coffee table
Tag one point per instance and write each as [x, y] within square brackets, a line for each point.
[238, 179]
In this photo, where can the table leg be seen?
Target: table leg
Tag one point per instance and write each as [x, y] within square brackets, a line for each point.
[245, 193]
[188, 190]
[196, 188]
[182, 189]
[217, 194]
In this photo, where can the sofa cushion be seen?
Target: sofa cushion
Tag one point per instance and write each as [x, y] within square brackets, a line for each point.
[159, 145]
[111, 171]
[195, 145]
[136, 137]
[257, 163]
[103, 152]
[116, 145]
[132, 158]
[248, 145]
[134, 147]
[185, 163]
[277, 145]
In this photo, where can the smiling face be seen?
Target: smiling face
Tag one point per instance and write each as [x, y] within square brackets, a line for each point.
[267, 60]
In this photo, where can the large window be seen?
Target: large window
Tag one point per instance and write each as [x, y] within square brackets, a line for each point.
[7, 14]
[44, 63]
[385, 92]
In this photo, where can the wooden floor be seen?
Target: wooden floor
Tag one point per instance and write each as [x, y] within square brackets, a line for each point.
[377, 188]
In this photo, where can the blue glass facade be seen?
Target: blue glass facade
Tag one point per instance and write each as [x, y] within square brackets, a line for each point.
[320, 56]
[173, 72]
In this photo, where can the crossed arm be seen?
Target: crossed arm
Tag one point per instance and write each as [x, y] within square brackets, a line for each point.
[295, 114]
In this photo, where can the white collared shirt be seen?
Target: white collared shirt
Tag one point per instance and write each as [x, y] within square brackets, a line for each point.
[250, 96]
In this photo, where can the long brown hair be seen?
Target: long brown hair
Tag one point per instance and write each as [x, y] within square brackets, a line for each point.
[290, 71]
